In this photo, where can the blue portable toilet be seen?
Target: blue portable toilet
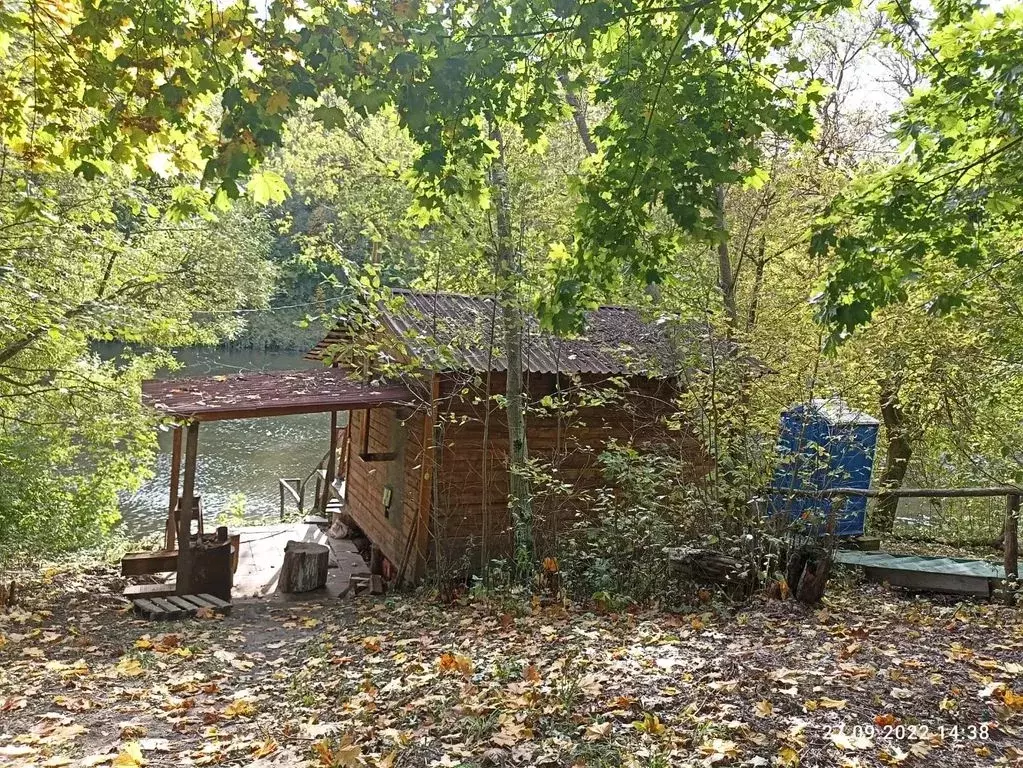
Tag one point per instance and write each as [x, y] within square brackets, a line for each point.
[824, 444]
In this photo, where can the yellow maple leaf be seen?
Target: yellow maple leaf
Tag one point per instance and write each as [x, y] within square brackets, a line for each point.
[764, 708]
[268, 747]
[130, 756]
[453, 662]
[1012, 699]
[650, 724]
[129, 667]
[597, 731]
[240, 708]
[278, 102]
[372, 644]
[787, 757]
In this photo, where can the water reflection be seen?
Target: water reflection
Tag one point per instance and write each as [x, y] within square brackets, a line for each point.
[236, 458]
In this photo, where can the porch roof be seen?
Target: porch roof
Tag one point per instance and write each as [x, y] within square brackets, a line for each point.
[276, 393]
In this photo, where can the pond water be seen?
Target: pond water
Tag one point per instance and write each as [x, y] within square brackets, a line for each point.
[239, 461]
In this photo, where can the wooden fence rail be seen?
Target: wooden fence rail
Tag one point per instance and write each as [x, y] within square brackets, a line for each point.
[1010, 540]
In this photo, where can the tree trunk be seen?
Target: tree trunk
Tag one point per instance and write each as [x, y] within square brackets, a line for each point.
[898, 453]
[578, 115]
[508, 273]
[725, 280]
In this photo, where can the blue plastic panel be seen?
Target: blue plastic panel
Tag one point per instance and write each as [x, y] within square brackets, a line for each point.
[823, 446]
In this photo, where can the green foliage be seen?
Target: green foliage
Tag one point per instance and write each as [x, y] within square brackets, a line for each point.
[88, 262]
[647, 506]
[952, 203]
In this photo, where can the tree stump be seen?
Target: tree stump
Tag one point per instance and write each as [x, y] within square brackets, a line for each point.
[304, 568]
[807, 574]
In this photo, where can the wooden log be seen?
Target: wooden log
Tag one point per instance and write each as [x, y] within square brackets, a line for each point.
[1011, 547]
[304, 568]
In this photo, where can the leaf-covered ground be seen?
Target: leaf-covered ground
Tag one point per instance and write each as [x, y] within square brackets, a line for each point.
[872, 678]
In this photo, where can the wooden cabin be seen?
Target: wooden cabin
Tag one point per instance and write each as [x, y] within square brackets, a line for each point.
[427, 481]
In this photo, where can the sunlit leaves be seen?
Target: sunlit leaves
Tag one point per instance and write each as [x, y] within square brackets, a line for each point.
[953, 202]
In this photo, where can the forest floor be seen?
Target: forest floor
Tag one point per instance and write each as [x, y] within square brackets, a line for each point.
[870, 678]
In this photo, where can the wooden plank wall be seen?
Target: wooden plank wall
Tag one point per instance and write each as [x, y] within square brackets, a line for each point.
[471, 523]
[367, 479]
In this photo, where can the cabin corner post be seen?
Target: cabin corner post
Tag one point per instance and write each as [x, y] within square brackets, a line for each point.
[331, 468]
[1011, 546]
[426, 481]
[186, 502]
[170, 536]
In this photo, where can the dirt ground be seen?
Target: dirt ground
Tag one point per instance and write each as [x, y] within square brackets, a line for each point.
[871, 678]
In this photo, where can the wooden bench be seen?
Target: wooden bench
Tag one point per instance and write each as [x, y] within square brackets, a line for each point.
[179, 606]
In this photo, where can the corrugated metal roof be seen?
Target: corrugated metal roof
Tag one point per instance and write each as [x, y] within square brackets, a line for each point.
[457, 331]
[248, 395]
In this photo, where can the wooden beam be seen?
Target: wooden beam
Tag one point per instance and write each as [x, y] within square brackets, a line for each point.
[1011, 546]
[175, 486]
[184, 581]
[902, 493]
[143, 563]
[365, 432]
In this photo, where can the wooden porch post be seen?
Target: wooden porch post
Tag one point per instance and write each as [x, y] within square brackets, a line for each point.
[175, 486]
[426, 482]
[184, 581]
[331, 465]
[1011, 546]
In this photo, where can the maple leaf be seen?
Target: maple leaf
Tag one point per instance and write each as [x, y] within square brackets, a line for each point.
[650, 724]
[239, 708]
[787, 757]
[597, 731]
[849, 742]
[1011, 699]
[453, 662]
[764, 708]
[268, 747]
[893, 755]
[130, 756]
[511, 732]
[716, 750]
[372, 643]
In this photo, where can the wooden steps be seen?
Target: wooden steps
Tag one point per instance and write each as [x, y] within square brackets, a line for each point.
[179, 606]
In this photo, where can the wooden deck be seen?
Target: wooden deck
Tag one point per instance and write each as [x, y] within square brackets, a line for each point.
[261, 552]
[927, 574]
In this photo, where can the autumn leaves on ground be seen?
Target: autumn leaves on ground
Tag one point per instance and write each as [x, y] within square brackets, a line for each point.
[872, 678]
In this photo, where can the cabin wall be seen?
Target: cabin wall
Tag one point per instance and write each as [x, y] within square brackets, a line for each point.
[389, 432]
[470, 523]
